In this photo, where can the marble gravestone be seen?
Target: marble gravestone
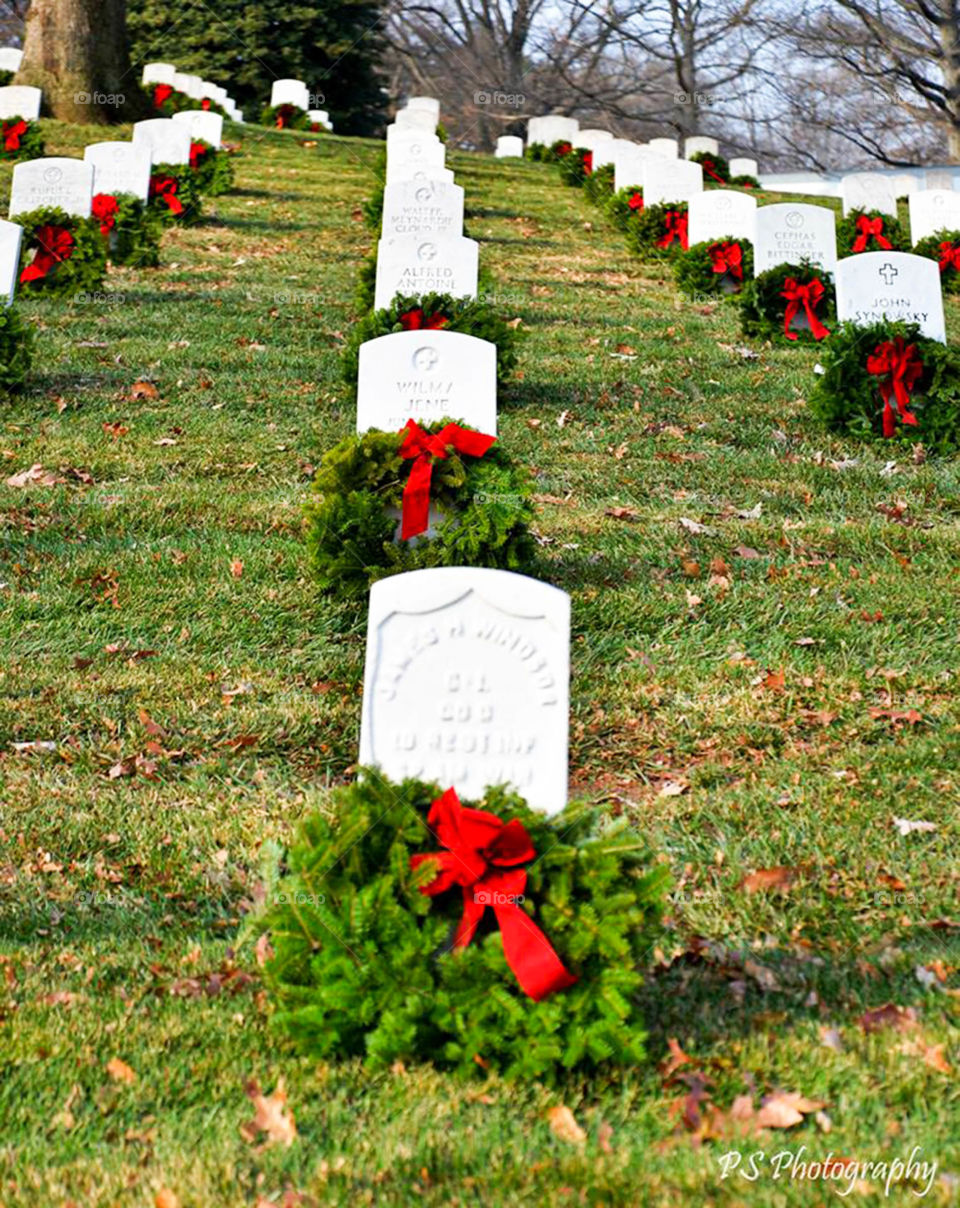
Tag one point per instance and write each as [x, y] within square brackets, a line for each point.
[628, 165]
[509, 146]
[670, 180]
[933, 210]
[553, 128]
[593, 140]
[790, 232]
[10, 58]
[718, 214]
[119, 168]
[406, 158]
[403, 172]
[203, 125]
[427, 376]
[740, 165]
[319, 117]
[874, 287]
[66, 184]
[667, 147]
[422, 207]
[430, 103]
[935, 179]
[167, 141]
[290, 92]
[608, 151]
[20, 100]
[190, 85]
[411, 264]
[415, 119]
[10, 236]
[698, 143]
[868, 191]
[467, 682]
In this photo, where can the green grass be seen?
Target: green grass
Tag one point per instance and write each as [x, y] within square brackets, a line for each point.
[129, 631]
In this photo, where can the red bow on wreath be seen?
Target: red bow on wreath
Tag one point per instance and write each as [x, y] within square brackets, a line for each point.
[727, 258]
[675, 227]
[564, 149]
[900, 366]
[414, 320]
[423, 448]
[710, 168]
[587, 162]
[162, 93]
[197, 152]
[165, 188]
[12, 133]
[54, 245]
[809, 297]
[205, 103]
[284, 116]
[481, 855]
[104, 207]
[636, 201]
[868, 227]
[949, 256]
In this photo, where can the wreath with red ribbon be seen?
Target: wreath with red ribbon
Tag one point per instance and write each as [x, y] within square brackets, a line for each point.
[61, 255]
[175, 194]
[131, 229]
[718, 267]
[944, 247]
[659, 230]
[716, 169]
[870, 231]
[20, 139]
[285, 117]
[792, 302]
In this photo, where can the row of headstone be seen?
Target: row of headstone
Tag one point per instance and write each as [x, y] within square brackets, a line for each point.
[193, 86]
[296, 93]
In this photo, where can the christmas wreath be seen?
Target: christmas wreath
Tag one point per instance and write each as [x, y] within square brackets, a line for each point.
[625, 205]
[598, 185]
[716, 170]
[541, 153]
[167, 100]
[213, 168]
[870, 231]
[20, 139]
[794, 302]
[888, 380]
[174, 194]
[285, 117]
[718, 266]
[745, 181]
[16, 349]
[575, 166]
[6, 77]
[132, 230]
[366, 290]
[470, 316]
[61, 255]
[944, 247]
[373, 208]
[659, 230]
[369, 513]
[412, 927]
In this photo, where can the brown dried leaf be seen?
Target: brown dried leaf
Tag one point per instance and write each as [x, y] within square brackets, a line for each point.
[270, 1116]
[564, 1126]
[119, 1071]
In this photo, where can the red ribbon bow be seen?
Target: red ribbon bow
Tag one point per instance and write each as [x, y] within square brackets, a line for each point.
[422, 448]
[205, 103]
[165, 187]
[636, 201]
[105, 206]
[587, 162]
[809, 297]
[868, 226]
[54, 245]
[949, 255]
[415, 320]
[480, 856]
[709, 167]
[198, 150]
[284, 116]
[12, 133]
[161, 93]
[727, 258]
[675, 227]
[901, 366]
[564, 149]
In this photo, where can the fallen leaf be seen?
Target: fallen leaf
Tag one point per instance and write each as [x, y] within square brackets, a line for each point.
[35, 476]
[564, 1126]
[270, 1116]
[262, 949]
[769, 878]
[165, 1199]
[694, 526]
[119, 1071]
[143, 389]
[774, 681]
[902, 1019]
[784, 1109]
[236, 568]
[622, 513]
[906, 826]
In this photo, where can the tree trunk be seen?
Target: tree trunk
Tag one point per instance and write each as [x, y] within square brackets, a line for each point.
[950, 66]
[77, 51]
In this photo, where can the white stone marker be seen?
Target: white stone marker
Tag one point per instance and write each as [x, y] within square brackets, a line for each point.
[607, 152]
[119, 168]
[791, 232]
[415, 119]
[54, 182]
[420, 207]
[592, 140]
[403, 172]
[10, 236]
[933, 210]
[190, 85]
[868, 191]
[410, 264]
[742, 166]
[319, 117]
[20, 100]
[667, 147]
[699, 142]
[467, 682]
[167, 141]
[629, 164]
[10, 58]
[509, 146]
[714, 215]
[429, 103]
[934, 179]
[404, 157]
[427, 376]
[553, 128]
[670, 180]
[874, 287]
[290, 92]
[202, 125]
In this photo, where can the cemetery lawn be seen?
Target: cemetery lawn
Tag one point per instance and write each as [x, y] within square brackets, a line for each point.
[764, 675]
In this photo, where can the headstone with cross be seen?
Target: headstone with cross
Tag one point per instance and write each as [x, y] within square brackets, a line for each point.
[877, 287]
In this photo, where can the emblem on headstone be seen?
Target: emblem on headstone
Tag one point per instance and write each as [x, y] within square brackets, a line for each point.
[794, 219]
[425, 358]
[427, 251]
[53, 176]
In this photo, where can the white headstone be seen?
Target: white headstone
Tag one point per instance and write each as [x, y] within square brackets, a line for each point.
[10, 58]
[158, 73]
[667, 147]
[415, 207]
[415, 119]
[629, 165]
[290, 92]
[406, 156]
[741, 166]
[189, 85]
[409, 264]
[939, 179]
[119, 168]
[20, 100]
[66, 184]
[868, 191]
[509, 146]
[717, 214]
[699, 142]
[670, 180]
[430, 103]
[791, 232]
[10, 235]
[427, 376]
[398, 137]
[933, 210]
[904, 183]
[552, 129]
[403, 171]
[874, 287]
[168, 141]
[591, 140]
[202, 125]
[606, 152]
[467, 682]
[319, 117]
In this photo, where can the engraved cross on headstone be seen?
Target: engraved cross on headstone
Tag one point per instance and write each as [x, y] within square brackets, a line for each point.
[888, 272]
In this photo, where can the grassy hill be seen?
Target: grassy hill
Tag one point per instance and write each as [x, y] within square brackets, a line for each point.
[764, 676]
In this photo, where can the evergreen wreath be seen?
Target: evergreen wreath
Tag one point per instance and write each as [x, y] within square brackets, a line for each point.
[716, 170]
[575, 166]
[889, 381]
[764, 306]
[212, 166]
[484, 503]
[16, 349]
[61, 255]
[625, 205]
[6, 77]
[870, 231]
[598, 185]
[659, 230]
[168, 100]
[745, 181]
[363, 961]
[20, 139]
[285, 117]
[373, 208]
[538, 153]
[366, 290]
[441, 132]
[131, 228]
[471, 316]
[174, 195]
[944, 247]
[717, 266]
